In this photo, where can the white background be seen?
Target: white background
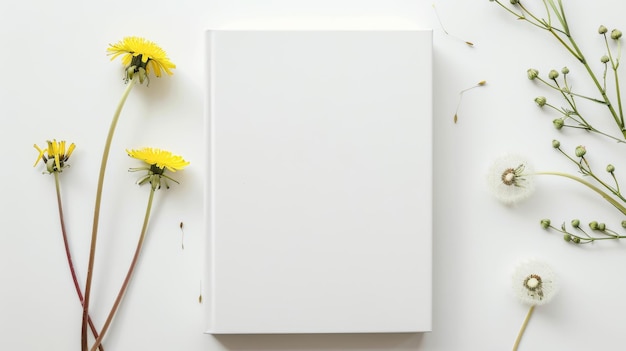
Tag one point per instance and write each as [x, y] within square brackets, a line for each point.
[58, 83]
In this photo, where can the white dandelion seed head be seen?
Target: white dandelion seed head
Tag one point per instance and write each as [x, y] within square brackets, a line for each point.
[534, 282]
[510, 179]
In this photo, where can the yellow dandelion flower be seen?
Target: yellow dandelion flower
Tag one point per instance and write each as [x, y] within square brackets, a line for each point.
[141, 56]
[54, 156]
[157, 161]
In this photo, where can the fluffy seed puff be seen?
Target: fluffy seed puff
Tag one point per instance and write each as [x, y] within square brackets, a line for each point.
[510, 179]
[534, 282]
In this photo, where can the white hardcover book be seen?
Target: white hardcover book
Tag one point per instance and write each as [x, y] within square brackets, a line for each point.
[319, 195]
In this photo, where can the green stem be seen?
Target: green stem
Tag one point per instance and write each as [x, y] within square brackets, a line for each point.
[523, 328]
[129, 274]
[68, 254]
[96, 215]
[619, 98]
[606, 196]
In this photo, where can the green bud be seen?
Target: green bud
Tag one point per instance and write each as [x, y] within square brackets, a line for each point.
[602, 30]
[558, 123]
[593, 225]
[545, 223]
[514, 2]
[616, 34]
[540, 101]
[576, 240]
[565, 70]
[610, 168]
[604, 59]
[567, 237]
[575, 223]
[553, 74]
[532, 73]
[623, 224]
[556, 144]
[580, 151]
[601, 227]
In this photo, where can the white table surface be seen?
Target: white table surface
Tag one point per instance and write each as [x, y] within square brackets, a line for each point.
[58, 83]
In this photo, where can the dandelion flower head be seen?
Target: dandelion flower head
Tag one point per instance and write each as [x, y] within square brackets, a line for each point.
[534, 282]
[159, 158]
[141, 56]
[54, 156]
[510, 179]
[157, 161]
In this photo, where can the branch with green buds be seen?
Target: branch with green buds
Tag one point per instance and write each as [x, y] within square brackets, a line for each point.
[581, 236]
[554, 21]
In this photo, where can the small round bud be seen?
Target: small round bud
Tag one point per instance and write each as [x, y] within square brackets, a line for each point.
[602, 30]
[553, 74]
[545, 223]
[610, 168]
[575, 223]
[532, 73]
[514, 2]
[540, 101]
[580, 151]
[567, 237]
[576, 240]
[604, 59]
[601, 227]
[593, 225]
[558, 123]
[616, 34]
[565, 70]
[556, 144]
[624, 224]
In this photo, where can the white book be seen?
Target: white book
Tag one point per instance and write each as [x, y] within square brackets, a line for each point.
[319, 195]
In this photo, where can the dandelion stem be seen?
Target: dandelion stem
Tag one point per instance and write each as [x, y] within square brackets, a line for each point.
[606, 196]
[68, 253]
[129, 274]
[96, 216]
[523, 328]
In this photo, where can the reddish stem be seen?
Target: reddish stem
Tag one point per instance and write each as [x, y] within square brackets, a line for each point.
[70, 262]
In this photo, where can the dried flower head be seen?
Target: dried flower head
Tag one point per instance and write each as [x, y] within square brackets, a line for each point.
[510, 179]
[534, 282]
[54, 156]
[140, 56]
[157, 161]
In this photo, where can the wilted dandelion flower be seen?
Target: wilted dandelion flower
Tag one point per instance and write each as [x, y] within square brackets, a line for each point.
[157, 161]
[55, 156]
[534, 282]
[141, 56]
[510, 179]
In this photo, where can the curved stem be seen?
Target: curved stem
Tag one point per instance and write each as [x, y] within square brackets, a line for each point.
[96, 215]
[129, 274]
[70, 262]
[606, 196]
[523, 328]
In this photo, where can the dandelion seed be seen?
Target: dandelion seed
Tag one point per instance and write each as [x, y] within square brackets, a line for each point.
[200, 296]
[468, 43]
[182, 235]
[458, 105]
